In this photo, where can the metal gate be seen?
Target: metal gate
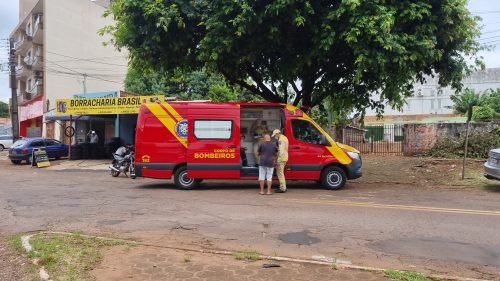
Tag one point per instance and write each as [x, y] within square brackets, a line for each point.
[377, 139]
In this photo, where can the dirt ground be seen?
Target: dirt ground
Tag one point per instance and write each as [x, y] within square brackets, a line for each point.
[153, 263]
[13, 266]
[424, 173]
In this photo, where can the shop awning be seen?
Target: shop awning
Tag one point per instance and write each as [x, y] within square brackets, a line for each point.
[79, 117]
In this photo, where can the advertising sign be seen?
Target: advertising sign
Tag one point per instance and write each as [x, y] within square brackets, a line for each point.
[39, 158]
[105, 105]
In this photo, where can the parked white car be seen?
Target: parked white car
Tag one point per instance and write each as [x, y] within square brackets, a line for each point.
[5, 142]
[492, 166]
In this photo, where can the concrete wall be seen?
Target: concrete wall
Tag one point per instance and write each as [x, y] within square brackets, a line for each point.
[73, 47]
[421, 137]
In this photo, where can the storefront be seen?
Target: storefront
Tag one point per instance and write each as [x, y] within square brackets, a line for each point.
[111, 115]
[31, 118]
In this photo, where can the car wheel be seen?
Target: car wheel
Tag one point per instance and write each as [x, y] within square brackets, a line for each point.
[182, 180]
[333, 178]
[16, 162]
[2, 147]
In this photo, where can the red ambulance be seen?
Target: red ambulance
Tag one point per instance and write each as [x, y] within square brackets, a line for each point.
[192, 141]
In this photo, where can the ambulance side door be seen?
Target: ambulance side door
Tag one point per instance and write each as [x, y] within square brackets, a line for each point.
[214, 141]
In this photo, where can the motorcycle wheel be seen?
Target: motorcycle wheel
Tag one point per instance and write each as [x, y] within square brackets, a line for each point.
[113, 172]
[131, 171]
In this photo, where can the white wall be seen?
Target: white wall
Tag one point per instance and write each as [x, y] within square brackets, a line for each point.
[72, 47]
[429, 98]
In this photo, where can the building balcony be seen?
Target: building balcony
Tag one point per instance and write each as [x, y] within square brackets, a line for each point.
[35, 89]
[22, 72]
[34, 62]
[22, 43]
[23, 97]
[38, 29]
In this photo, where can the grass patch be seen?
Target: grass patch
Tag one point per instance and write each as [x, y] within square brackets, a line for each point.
[188, 258]
[68, 257]
[334, 266]
[405, 275]
[249, 255]
[15, 242]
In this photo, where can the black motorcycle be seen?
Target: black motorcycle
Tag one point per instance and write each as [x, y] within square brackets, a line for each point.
[123, 164]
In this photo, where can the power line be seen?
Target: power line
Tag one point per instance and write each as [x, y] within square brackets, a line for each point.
[488, 38]
[83, 59]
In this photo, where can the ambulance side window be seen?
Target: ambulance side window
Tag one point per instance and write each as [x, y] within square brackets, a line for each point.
[303, 130]
[213, 129]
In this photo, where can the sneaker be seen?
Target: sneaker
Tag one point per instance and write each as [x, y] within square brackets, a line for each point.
[280, 191]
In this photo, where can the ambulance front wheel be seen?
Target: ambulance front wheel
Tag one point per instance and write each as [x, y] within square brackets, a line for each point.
[182, 180]
[333, 177]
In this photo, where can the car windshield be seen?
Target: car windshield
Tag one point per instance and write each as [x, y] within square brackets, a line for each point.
[19, 143]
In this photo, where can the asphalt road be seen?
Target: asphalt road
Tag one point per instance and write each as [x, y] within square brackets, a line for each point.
[391, 226]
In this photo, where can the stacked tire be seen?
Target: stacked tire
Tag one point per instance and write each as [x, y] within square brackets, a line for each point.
[76, 152]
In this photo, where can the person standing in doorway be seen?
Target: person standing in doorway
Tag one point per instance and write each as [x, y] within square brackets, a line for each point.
[257, 130]
[94, 138]
[282, 159]
[267, 153]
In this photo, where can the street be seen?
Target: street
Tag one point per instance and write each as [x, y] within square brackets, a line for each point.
[379, 225]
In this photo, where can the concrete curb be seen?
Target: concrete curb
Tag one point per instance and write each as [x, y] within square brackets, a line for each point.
[338, 263]
[25, 239]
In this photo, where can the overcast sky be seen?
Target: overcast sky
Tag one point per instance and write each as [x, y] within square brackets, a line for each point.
[487, 9]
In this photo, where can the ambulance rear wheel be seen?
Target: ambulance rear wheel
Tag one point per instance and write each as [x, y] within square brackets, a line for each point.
[182, 180]
[333, 178]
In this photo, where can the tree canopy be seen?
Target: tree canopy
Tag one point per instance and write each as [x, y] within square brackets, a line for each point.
[194, 85]
[4, 110]
[304, 51]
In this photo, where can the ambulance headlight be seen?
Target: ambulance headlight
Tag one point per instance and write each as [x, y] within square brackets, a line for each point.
[353, 155]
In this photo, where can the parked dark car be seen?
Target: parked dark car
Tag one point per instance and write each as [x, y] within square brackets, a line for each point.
[492, 166]
[22, 149]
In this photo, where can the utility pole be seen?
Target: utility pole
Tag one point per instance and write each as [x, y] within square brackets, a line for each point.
[13, 90]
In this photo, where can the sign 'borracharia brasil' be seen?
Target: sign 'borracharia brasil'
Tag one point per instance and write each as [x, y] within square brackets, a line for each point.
[304, 51]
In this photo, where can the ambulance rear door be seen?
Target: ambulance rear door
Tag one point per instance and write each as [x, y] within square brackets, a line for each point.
[214, 141]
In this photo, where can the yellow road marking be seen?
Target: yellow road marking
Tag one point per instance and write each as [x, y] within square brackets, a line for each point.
[390, 206]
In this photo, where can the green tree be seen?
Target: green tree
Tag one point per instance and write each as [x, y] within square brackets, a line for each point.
[493, 100]
[194, 85]
[304, 51]
[4, 110]
[462, 100]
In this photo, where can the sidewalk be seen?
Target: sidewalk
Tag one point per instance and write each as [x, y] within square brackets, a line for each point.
[97, 165]
[154, 263]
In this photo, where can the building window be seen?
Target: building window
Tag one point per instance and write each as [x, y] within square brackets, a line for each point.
[213, 129]
[432, 103]
[433, 93]
[440, 92]
[439, 103]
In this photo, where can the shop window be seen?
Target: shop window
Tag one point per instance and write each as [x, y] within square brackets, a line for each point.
[213, 129]
[303, 130]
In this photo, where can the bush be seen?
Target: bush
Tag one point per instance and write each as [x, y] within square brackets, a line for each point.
[480, 144]
[481, 113]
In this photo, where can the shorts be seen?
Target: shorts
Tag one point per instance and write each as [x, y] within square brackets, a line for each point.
[266, 173]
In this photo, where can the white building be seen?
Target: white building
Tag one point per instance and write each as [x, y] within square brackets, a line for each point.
[431, 100]
[60, 54]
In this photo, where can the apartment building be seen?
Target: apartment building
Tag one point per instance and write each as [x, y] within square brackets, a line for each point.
[60, 54]
[431, 102]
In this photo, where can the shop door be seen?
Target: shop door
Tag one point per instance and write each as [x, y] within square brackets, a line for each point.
[214, 141]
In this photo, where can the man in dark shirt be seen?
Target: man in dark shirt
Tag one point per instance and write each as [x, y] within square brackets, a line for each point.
[267, 154]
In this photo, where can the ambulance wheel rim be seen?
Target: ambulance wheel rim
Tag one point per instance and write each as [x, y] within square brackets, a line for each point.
[185, 180]
[334, 178]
